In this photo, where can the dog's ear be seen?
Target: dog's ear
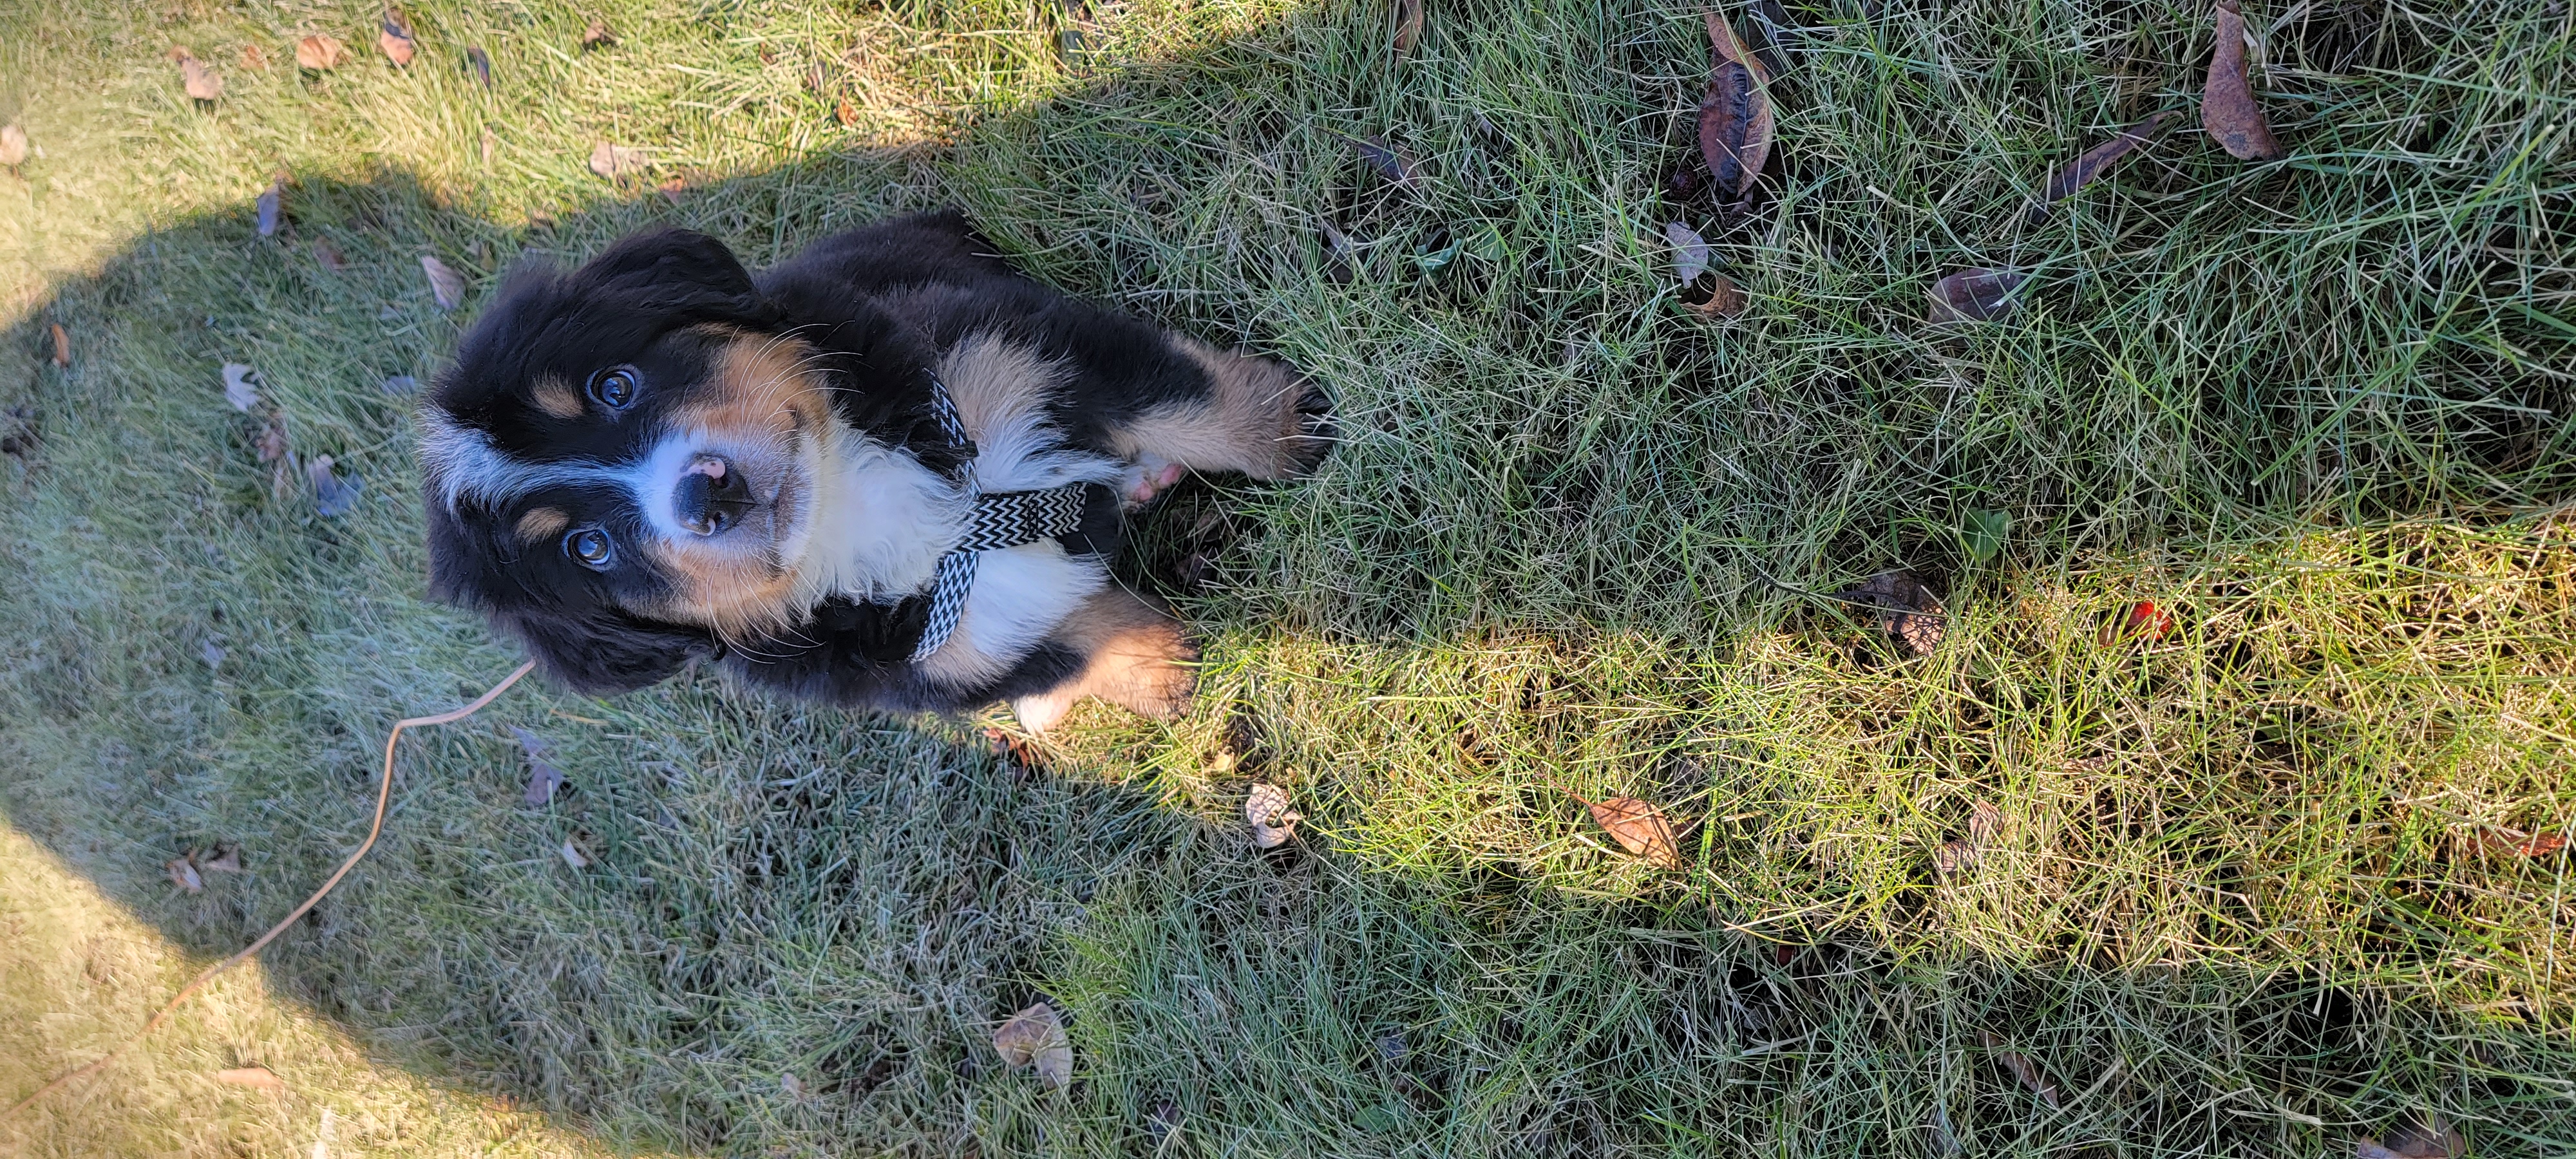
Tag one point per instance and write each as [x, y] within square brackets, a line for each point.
[671, 269]
[604, 652]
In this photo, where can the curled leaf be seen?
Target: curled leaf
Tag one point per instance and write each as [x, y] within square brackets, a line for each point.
[184, 875]
[480, 64]
[572, 855]
[227, 859]
[1904, 609]
[320, 53]
[2514, 843]
[1407, 19]
[2032, 1078]
[2227, 106]
[446, 285]
[254, 58]
[255, 1077]
[1273, 822]
[2099, 159]
[272, 208]
[1736, 123]
[62, 344]
[1036, 1035]
[332, 495]
[543, 777]
[393, 34]
[1690, 251]
[200, 79]
[1391, 163]
[1724, 298]
[1974, 294]
[615, 161]
[13, 145]
[1639, 828]
[1982, 533]
[241, 385]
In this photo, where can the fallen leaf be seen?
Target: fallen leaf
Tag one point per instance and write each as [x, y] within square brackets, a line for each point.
[254, 1077]
[62, 345]
[1982, 533]
[1641, 829]
[446, 285]
[543, 777]
[790, 1086]
[2098, 160]
[200, 79]
[597, 34]
[1014, 749]
[481, 64]
[1274, 823]
[572, 855]
[1937, 1121]
[2022, 1068]
[393, 34]
[1341, 258]
[13, 145]
[184, 875]
[615, 161]
[1407, 19]
[1690, 251]
[226, 860]
[332, 495]
[272, 208]
[1974, 294]
[1906, 610]
[1985, 823]
[400, 384]
[320, 53]
[1391, 163]
[671, 189]
[241, 386]
[176, 53]
[1735, 118]
[213, 654]
[329, 256]
[846, 113]
[1952, 858]
[1725, 299]
[2516, 843]
[255, 58]
[2431, 1139]
[2227, 106]
[1036, 1035]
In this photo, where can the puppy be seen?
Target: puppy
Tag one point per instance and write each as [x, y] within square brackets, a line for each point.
[888, 473]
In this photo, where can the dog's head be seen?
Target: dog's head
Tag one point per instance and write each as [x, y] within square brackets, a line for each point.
[621, 462]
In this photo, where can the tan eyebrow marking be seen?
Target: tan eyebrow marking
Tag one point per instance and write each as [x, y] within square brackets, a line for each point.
[542, 523]
[556, 398]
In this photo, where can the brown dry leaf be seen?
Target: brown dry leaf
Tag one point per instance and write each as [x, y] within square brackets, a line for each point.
[329, 256]
[1725, 298]
[671, 189]
[272, 208]
[62, 345]
[1974, 294]
[1640, 828]
[2227, 106]
[393, 34]
[1274, 822]
[572, 855]
[1036, 1035]
[445, 284]
[320, 52]
[2431, 1139]
[615, 161]
[2098, 160]
[200, 79]
[254, 58]
[1735, 118]
[1015, 749]
[13, 145]
[1407, 15]
[597, 34]
[226, 860]
[1906, 610]
[846, 113]
[1952, 858]
[184, 875]
[1391, 163]
[2022, 1068]
[255, 1077]
[2515, 843]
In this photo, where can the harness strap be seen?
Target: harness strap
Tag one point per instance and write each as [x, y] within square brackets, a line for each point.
[993, 523]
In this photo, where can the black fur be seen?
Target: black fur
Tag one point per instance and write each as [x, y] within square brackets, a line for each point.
[880, 304]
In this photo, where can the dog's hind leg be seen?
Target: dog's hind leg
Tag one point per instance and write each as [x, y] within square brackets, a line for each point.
[1256, 416]
[1136, 656]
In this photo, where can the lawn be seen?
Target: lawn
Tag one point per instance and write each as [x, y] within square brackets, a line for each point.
[2280, 865]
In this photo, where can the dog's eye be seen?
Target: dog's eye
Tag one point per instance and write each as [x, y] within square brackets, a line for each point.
[614, 387]
[591, 547]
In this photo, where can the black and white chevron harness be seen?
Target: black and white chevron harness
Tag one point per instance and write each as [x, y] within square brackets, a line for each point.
[993, 523]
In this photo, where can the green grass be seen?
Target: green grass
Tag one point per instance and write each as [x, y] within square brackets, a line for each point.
[2243, 892]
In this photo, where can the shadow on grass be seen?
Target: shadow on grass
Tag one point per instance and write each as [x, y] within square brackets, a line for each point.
[1529, 543]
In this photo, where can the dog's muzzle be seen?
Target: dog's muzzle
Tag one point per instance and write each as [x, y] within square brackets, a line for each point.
[713, 496]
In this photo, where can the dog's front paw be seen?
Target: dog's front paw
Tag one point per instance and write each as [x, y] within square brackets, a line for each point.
[1146, 478]
[1310, 430]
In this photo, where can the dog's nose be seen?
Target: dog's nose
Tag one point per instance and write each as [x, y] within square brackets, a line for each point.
[713, 496]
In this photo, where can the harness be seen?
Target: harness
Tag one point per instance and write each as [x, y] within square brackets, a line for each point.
[994, 522]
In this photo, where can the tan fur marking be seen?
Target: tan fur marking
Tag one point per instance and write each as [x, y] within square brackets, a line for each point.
[987, 376]
[541, 523]
[555, 397]
[1139, 660]
[1249, 422]
[756, 391]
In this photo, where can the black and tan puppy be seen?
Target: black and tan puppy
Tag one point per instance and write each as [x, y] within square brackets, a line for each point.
[887, 473]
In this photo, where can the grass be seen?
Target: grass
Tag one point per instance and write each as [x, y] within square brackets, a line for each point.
[2247, 889]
